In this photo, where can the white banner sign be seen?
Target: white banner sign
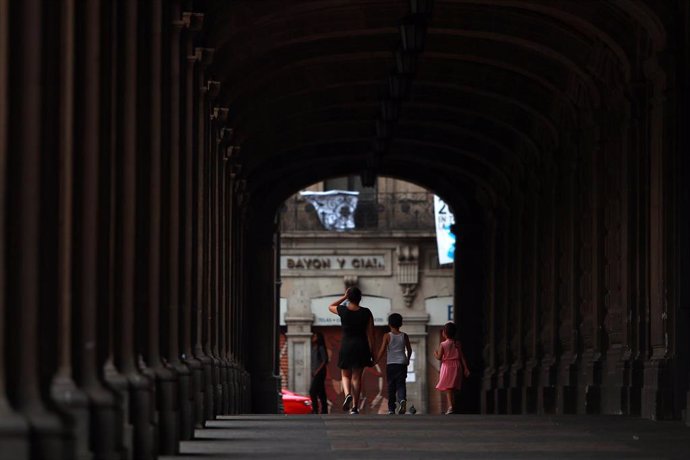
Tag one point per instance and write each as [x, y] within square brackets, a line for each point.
[380, 308]
[440, 310]
[445, 240]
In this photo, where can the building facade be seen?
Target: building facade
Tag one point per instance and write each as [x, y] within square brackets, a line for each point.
[391, 255]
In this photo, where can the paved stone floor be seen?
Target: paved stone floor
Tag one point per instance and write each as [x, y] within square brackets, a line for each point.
[438, 437]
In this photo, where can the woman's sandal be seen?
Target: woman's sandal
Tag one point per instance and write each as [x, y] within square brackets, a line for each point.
[347, 403]
[449, 411]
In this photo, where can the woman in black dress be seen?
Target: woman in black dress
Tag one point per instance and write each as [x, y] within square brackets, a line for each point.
[356, 344]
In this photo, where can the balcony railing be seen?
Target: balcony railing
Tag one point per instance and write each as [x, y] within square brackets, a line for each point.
[383, 211]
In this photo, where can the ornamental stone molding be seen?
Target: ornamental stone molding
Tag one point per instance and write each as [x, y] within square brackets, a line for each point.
[408, 272]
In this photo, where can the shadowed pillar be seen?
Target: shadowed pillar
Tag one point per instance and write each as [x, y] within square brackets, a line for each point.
[166, 435]
[104, 427]
[172, 281]
[201, 348]
[132, 386]
[191, 322]
[14, 430]
[24, 248]
[63, 389]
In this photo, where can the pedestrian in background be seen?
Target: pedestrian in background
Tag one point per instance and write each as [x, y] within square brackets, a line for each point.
[356, 345]
[319, 362]
[453, 364]
[398, 350]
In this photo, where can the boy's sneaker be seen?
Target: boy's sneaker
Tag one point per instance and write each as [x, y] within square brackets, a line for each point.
[347, 403]
[354, 411]
[402, 407]
[390, 412]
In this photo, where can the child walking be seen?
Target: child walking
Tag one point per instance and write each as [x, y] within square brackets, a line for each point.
[397, 346]
[453, 364]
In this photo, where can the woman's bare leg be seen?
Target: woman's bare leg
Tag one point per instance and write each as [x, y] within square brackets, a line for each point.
[346, 375]
[356, 386]
[449, 398]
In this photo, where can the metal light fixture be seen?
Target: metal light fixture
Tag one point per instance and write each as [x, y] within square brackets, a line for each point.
[413, 33]
[405, 62]
[368, 178]
[383, 129]
[389, 110]
[424, 7]
[398, 86]
[380, 146]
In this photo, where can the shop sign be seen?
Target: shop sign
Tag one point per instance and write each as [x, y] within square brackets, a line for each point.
[332, 262]
[440, 310]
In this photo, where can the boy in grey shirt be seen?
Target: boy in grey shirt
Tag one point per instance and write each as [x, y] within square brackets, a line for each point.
[398, 348]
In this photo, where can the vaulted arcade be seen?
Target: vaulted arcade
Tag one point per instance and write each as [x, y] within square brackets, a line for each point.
[146, 148]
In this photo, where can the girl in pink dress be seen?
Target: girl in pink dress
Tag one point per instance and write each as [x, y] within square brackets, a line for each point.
[453, 364]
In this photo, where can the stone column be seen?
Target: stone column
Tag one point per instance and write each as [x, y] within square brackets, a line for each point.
[202, 301]
[265, 385]
[24, 237]
[515, 401]
[531, 311]
[191, 156]
[589, 283]
[233, 274]
[502, 323]
[657, 394]
[14, 430]
[165, 379]
[299, 351]
[566, 386]
[417, 393]
[214, 310]
[223, 275]
[133, 387]
[105, 428]
[548, 300]
[63, 389]
[617, 370]
[120, 430]
[488, 379]
[173, 228]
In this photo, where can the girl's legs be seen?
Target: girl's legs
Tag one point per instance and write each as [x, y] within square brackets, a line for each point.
[356, 386]
[449, 399]
[346, 376]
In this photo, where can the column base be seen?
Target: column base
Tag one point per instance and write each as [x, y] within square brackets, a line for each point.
[657, 393]
[74, 402]
[14, 433]
[566, 385]
[118, 383]
[197, 394]
[184, 388]
[168, 411]
[265, 393]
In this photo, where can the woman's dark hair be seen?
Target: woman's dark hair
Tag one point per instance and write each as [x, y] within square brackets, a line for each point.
[395, 320]
[450, 329]
[319, 338]
[321, 342]
[354, 295]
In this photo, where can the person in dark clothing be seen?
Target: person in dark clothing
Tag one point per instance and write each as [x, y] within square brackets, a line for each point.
[356, 345]
[319, 360]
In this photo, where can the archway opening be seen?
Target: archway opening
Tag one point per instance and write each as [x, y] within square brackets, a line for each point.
[395, 240]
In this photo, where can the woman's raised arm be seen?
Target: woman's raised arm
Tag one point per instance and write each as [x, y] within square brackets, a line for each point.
[333, 308]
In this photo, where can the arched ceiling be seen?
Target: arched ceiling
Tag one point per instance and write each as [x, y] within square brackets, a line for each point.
[499, 86]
